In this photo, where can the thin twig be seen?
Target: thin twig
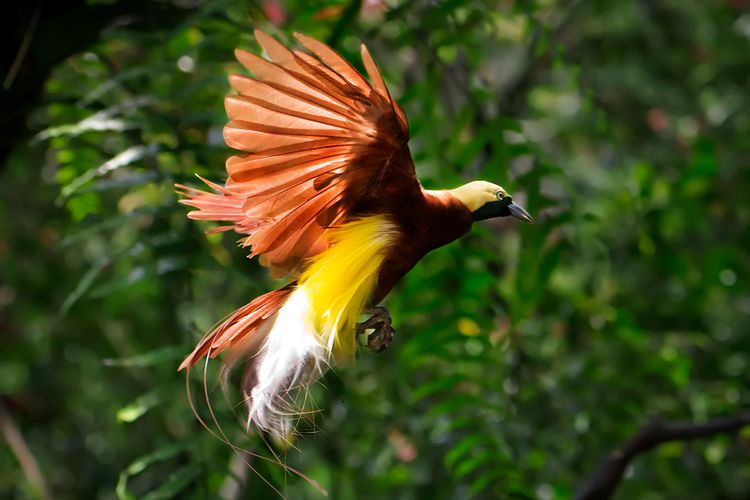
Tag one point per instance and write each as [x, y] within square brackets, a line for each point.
[23, 454]
[23, 49]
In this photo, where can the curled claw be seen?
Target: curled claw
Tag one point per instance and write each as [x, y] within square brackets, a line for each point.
[377, 330]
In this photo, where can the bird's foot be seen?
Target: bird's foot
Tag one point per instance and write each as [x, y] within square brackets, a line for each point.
[377, 332]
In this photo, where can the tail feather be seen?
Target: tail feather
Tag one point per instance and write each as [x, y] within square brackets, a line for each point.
[291, 358]
[275, 337]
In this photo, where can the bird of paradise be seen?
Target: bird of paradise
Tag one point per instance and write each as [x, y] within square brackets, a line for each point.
[324, 192]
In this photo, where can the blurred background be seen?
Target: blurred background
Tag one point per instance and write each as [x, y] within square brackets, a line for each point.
[524, 355]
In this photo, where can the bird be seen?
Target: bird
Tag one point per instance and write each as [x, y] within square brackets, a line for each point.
[323, 190]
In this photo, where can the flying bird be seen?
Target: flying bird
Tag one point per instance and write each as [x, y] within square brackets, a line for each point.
[324, 191]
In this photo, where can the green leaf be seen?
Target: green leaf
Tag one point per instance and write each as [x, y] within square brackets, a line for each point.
[139, 407]
[435, 386]
[459, 450]
[142, 463]
[126, 157]
[483, 482]
[150, 358]
[175, 483]
[473, 463]
[454, 404]
[103, 120]
[83, 286]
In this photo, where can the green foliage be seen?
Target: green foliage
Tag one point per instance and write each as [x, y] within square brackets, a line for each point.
[524, 354]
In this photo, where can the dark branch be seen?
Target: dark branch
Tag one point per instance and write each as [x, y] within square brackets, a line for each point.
[604, 482]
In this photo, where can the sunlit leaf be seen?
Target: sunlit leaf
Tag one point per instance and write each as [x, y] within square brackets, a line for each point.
[135, 410]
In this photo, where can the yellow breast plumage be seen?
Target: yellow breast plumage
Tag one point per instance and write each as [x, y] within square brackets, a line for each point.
[340, 281]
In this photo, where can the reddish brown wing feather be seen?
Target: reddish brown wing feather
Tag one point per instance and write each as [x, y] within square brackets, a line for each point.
[318, 138]
[238, 326]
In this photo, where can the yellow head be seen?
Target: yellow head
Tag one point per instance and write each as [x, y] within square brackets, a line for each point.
[486, 200]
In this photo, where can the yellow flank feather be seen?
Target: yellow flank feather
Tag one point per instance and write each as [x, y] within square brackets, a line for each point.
[340, 281]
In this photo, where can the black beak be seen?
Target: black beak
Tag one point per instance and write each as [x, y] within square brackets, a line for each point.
[518, 212]
[501, 208]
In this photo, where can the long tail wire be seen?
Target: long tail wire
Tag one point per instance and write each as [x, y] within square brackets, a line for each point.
[221, 436]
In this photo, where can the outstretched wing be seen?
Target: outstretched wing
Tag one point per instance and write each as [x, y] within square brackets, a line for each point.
[320, 143]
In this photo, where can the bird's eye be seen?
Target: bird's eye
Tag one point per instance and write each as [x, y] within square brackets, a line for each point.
[500, 195]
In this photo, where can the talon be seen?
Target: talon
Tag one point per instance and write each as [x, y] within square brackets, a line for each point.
[377, 329]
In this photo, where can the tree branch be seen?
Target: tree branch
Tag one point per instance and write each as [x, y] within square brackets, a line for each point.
[604, 482]
[38, 35]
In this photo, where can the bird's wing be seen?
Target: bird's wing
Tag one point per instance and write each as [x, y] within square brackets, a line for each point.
[319, 140]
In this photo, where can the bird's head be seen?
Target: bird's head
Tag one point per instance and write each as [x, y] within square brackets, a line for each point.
[486, 200]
